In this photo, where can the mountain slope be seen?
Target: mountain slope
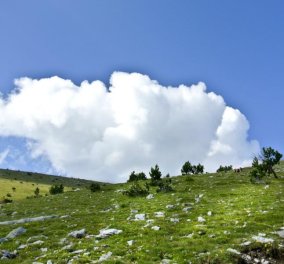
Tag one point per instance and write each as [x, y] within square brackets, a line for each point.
[205, 216]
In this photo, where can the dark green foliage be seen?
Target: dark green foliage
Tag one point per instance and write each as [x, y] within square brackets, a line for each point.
[224, 168]
[197, 169]
[165, 186]
[6, 200]
[8, 195]
[137, 176]
[269, 158]
[187, 168]
[36, 192]
[55, 189]
[137, 190]
[263, 166]
[94, 187]
[155, 173]
[14, 189]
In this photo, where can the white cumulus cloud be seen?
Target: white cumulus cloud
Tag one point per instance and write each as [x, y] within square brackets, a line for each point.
[94, 132]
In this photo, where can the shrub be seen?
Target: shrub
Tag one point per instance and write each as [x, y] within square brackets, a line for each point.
[14, 189]
[94, 187]
[224, 168]
[165, 186]
[136, 190]
[8, 195]
[6, 200]
[155, 175]
[136, 176]
[187, 168]
[55, 189]
[36, 192]
[263, 166]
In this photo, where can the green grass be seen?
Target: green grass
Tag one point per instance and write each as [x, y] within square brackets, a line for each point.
[239, 211]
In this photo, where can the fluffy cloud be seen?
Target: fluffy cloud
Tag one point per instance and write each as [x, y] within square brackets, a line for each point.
[90, 131]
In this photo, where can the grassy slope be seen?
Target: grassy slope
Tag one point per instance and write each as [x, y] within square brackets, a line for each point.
[237, 206]
[26, 182]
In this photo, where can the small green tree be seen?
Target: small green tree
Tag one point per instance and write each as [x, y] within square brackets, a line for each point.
[224, 168]
[55, 189]
[270, 158]
[36, 192]
[155, 173]
[198, 169]
[263, 166]
[136, 176]
[186, 168]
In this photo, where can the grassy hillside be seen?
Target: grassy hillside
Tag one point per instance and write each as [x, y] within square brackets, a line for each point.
[239, 211]
[26, 182]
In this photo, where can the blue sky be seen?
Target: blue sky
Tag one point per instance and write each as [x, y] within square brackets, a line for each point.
[235, 47]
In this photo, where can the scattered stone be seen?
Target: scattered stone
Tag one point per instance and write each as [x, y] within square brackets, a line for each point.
[108, 232]
[105, 257]
[14, 233]
[156, 228]
[22, 246]
[139, 217]
[170, 206]
[78, 233]
[134, 211]
[130, 242]
[38, 242]
[150, 196]
[49, 262]
[79, 251]
[246, 243]
[159, 214]
[201, 219]
[266, 187]
[209, 213]
[35, 238]
[198, 198]
[8, 255]
[64, 216]
[233, 251]
[28, 220]
[186, 209]
[174, 220]
[189, 235]
[262, 239]
[165, 261]
[280, 233]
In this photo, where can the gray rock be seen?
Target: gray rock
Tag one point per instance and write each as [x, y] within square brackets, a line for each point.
[280, 233]
[105, 257]
[108, 232]
[16, 232]
[28, 220]
[78, 233]
[35, 238]
[8, 255]
[139, 217]
[150, 196]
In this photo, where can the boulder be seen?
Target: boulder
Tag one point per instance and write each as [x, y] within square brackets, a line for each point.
[78, 233]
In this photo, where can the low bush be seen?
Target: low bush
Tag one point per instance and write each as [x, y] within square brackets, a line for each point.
[56, 189]
[94, 187]
[165, 186]
[137, 190]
